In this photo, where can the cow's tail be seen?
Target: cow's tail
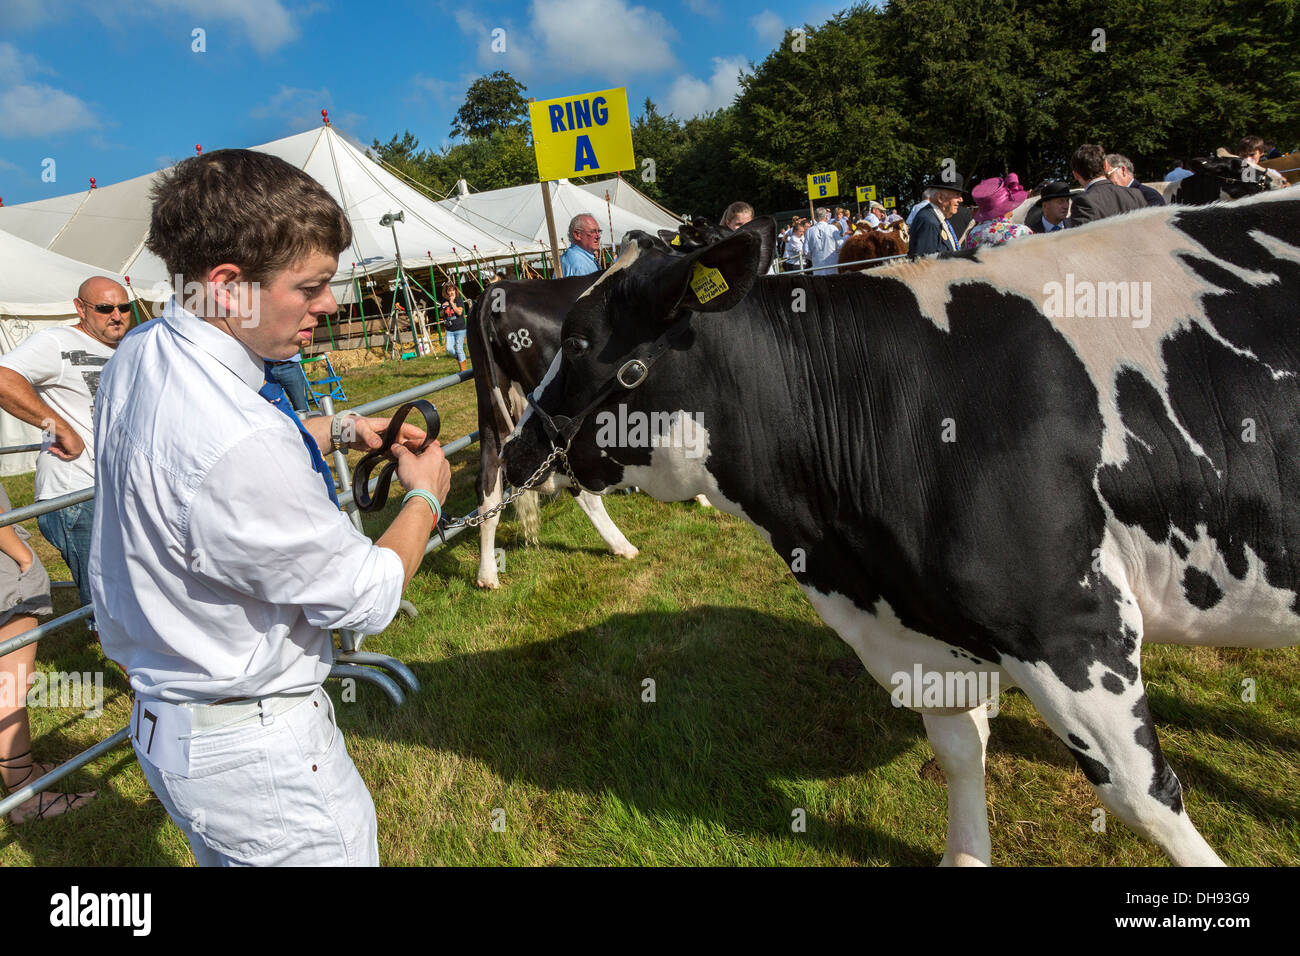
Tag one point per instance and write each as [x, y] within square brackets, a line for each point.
[528, 507]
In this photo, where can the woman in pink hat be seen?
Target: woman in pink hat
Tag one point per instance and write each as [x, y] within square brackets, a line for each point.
[995, 199]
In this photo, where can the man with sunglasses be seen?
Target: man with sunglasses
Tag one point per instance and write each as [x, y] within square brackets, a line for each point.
[584, 242]
[49, 381]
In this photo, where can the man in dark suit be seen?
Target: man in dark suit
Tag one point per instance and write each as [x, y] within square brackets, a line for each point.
[1121, 174]
[1100, 198]
[930, 230]
[1052, 213]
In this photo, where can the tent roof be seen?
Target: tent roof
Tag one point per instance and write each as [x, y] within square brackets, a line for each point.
[37, 283]
[623, 194]
[106, 227]
[516, 214]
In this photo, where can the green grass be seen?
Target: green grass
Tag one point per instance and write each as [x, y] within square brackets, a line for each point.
[532, 703]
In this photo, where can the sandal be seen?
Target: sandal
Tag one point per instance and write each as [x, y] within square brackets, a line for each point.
[44, 804]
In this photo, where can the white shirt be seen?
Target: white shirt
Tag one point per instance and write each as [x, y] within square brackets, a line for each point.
[794, 249]
[822, 242]
[218, 562]
[63, 364]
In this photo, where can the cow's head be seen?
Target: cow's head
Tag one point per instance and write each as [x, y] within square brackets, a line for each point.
[614, 392]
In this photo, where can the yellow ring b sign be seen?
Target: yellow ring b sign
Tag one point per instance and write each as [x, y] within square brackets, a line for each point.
[822, 185]
[582, 135]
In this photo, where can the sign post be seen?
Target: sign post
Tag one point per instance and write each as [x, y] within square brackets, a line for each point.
[581, 135]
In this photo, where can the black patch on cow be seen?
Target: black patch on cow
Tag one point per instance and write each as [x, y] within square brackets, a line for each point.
[1180, 547]
[1094, 770]
[1112, 683]
[1245, 494]
[1164, 784]
[1078, 742]
[1200, 589]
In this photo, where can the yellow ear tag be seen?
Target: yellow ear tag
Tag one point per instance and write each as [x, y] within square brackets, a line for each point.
[677, 241]
[707, 283]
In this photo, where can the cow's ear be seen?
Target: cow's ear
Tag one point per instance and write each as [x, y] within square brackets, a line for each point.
[765, 228]
[715, 278]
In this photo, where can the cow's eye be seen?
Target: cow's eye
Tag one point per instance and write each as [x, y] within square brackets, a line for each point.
[575, 344]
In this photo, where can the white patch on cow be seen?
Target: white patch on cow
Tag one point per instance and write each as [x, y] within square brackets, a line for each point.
[629, 256]
[1105, 724]
[1251, 612]
[487, 536]
[594, 507]
[1139, 246]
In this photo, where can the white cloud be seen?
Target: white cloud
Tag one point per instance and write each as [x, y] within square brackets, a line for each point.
[15, 65]
[606, 37]
[690, 96]
[268, 24]
[299, 110]
[769, 26]
[705, 8]
[34, 109]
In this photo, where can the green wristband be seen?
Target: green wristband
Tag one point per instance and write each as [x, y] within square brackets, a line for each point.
[427, 496]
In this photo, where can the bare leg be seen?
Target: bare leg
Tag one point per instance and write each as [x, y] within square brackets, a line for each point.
[17, 767]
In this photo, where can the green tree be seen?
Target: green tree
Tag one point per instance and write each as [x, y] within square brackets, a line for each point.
[504, 158]
[492, 103]
[661, 139]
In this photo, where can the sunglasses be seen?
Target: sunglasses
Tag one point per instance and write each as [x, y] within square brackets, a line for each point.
[110, 309]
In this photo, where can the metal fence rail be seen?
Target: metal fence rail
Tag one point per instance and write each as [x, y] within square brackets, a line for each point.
[350, 663]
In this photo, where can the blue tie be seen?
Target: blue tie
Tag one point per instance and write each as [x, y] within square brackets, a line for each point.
[274, 394]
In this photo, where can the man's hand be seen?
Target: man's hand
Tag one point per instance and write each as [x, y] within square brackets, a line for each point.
[428, 469]
[67, 445]
[367, 435]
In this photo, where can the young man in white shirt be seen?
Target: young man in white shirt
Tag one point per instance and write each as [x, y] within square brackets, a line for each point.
[50, 381]
[220, 565]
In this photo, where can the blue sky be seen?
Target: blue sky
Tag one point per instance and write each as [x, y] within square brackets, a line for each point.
[115, 89]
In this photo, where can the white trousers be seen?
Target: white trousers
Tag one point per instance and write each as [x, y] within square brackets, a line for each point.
[283, 793]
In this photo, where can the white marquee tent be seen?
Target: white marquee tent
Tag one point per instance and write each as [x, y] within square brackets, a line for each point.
[36, 291]
[107, 226]
[517, 214]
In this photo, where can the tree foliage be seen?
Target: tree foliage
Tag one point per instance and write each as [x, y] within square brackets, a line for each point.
[884, 95]
[493, 103]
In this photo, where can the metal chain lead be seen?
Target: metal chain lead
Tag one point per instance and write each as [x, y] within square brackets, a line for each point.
[473, 521]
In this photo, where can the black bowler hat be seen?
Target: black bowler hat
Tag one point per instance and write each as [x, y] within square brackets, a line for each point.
[1057, 190]
[958, 184]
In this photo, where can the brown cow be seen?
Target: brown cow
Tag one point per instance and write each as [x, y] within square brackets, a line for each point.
[869, 243]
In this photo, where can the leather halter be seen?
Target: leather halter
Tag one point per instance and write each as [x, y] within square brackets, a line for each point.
[361, 474]
[631, 373]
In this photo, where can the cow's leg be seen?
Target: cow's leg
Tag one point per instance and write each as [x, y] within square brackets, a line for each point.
[1109, 730]
[489, 496]
[594, 507]
[959, 741]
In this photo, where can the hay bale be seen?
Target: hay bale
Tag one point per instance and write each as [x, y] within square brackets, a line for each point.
[344, 360]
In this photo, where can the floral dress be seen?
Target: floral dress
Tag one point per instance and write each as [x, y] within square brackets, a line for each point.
[994, 232]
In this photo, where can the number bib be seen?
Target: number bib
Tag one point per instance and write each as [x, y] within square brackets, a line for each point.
[161, 732]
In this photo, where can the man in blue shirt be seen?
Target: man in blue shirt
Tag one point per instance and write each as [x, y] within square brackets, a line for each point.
[584, 241]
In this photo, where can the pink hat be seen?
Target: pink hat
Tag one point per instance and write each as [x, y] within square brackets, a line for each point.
[996, 196]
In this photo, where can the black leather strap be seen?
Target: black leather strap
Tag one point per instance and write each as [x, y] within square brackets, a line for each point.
[361, 474]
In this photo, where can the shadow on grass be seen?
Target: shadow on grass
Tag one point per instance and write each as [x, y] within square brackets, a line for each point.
[744, 711]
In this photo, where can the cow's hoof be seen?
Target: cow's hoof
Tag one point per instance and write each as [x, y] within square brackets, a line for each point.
[490, 585]
[628, 553]
[702, 501]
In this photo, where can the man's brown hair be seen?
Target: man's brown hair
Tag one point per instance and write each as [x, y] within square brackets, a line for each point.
[1248, 145]
[1089, 161]
[247, 208]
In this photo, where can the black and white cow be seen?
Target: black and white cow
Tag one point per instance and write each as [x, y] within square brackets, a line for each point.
[1022, 462]
[513, 334]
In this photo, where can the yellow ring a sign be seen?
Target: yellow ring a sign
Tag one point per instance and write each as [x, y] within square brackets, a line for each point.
[582, 135]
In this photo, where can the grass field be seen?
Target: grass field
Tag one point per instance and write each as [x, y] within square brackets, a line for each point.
[532, 704]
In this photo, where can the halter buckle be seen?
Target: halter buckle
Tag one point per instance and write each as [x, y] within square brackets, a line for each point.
[634, 367]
